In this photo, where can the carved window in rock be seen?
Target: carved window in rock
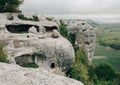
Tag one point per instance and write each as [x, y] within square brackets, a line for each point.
[21, 28]
[83, 23]
[52, 65]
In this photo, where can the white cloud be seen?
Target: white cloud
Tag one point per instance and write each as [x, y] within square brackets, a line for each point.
[76, 7]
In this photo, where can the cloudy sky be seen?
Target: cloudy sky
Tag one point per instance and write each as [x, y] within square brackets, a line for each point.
[108, 9]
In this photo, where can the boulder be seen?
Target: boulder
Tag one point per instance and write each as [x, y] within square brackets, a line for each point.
[16, 75]
[55, 34]
[32, 30]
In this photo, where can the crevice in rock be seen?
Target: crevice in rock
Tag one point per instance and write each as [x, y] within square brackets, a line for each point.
[50, 29]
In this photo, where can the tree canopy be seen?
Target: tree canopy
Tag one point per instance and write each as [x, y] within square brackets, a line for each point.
[10, 5]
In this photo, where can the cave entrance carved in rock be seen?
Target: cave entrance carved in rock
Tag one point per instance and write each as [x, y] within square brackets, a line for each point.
[22, 28]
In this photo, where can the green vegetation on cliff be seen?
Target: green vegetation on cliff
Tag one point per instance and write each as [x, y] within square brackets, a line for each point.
[10, 5]
[63, 30]
[79, 71]
[22, 17]
[30, 65]
[3, 56]
[100, 74]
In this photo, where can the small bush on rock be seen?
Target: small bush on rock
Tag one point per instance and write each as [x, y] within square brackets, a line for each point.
[22, 17]
[3, 56]
[63, 30]
[79, 70]
[35, 18]
[10, 17]
[49, 19]
[30, 65]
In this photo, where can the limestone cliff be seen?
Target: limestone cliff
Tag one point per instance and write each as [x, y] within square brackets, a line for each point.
[32, 39]
[85, 35]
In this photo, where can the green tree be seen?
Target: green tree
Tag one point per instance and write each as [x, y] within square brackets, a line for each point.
[81, 55]
[72, 38]
[10, 5]
[79, 70]
[105, 72]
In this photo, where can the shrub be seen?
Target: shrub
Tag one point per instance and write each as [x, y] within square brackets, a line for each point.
[105, 72]
[104, 83]
[79, 70]
[35, 18]
[92, 75]
[49, 19]
[22, 17]
[3, 56]
[81, 55]
[72, 38]
[30, 65]
[63, 30]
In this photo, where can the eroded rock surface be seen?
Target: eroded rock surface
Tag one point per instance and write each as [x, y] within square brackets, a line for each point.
[85, 35]
[31, 42]
[16, 75]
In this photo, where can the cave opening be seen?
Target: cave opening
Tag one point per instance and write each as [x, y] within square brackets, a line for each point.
[52, 65]
[50, 29]
[22, 28]
[28, 60]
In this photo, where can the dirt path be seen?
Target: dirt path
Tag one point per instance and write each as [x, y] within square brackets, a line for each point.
[99, 57]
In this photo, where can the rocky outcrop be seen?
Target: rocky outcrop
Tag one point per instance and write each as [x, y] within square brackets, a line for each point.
[85, 35]
[16, 75]
[27, 41]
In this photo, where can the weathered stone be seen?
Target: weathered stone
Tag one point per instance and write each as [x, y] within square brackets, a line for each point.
[85, 35]
[32, 30]
[29, 41]
[16, 75]
[55, 34]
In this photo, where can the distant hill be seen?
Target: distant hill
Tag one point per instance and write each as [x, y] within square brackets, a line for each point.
[92, 22]
[109, 25]
[100, 24]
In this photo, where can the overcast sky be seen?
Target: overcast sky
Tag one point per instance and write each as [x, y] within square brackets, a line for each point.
[74, 8]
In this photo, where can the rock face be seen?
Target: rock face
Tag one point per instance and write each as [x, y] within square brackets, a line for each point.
[31, 42]
[16, 75]
[85, 35]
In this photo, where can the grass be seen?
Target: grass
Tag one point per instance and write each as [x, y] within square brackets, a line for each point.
[30, 65]
[107, 54]
[109, 37]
